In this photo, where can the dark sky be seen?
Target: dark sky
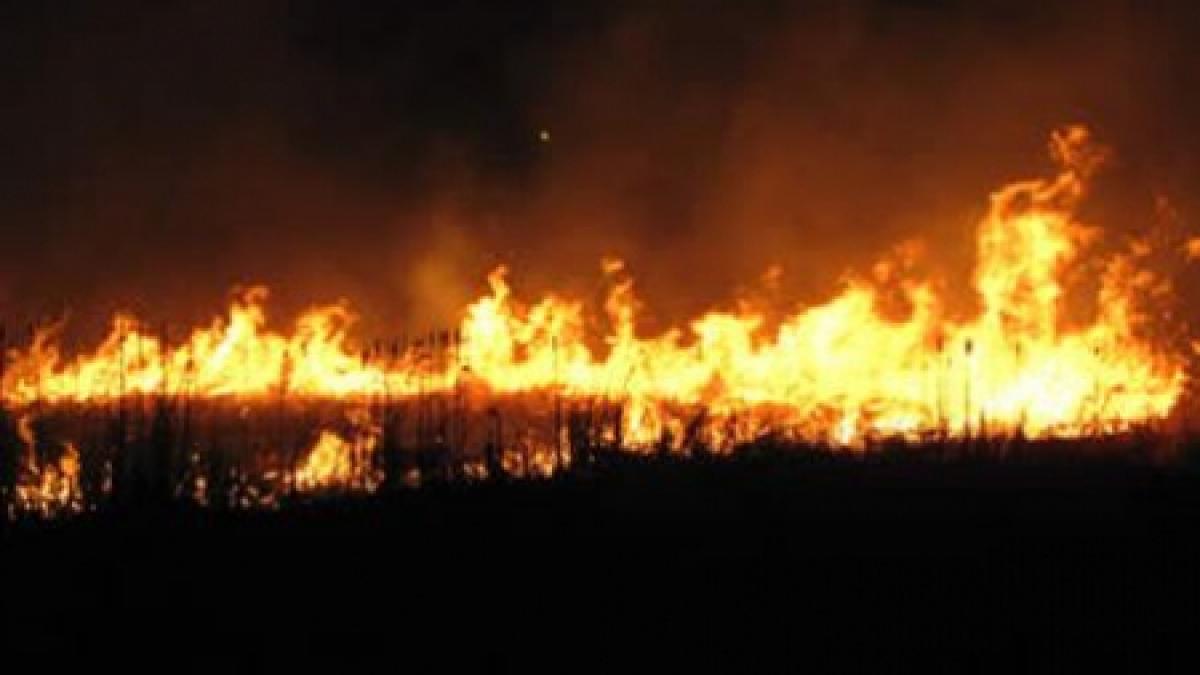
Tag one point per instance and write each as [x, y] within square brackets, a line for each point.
[157, 154]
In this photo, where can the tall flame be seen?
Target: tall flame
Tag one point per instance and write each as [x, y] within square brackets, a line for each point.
[840, 371]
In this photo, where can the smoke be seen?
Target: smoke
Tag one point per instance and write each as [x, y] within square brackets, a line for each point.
[392, 155]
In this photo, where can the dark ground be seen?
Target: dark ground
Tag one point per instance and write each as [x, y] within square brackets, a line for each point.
[813, 562]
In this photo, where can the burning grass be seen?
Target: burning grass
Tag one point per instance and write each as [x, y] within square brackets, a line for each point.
[228, 454]
[236, 414]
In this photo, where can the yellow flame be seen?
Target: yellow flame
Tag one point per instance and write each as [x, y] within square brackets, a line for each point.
[51, 487]
[839, 371]
[337, 463]
[328, 463]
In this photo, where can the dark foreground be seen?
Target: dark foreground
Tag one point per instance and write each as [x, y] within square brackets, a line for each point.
[816, 562]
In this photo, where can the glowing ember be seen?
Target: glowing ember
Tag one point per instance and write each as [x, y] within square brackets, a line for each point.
[838, 372]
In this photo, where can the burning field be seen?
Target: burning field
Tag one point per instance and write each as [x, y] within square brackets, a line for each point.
[479, 333]
[242, 414]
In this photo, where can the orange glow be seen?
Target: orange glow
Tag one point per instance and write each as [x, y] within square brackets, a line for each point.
[335, 463]
[51, 487]
[328, 463]
[839, 372]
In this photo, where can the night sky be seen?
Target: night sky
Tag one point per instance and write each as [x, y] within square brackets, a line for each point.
[157, 154]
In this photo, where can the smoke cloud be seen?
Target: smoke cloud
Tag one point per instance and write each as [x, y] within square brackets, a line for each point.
[158, 154]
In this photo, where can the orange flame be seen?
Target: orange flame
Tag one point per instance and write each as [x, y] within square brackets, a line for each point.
[335, 463]
[51, 487]
[840, 372]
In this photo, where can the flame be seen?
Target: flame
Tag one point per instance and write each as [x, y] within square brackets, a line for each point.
[1192, 248]
[51, 487]
[840, 372]
[335, 463]
[328, 463]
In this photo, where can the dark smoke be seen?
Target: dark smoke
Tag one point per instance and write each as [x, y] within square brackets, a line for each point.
[157, 154]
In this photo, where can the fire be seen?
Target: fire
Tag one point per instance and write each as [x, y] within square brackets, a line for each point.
[48, 487]
[328, 463]
[335, 463]
[839, 372]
